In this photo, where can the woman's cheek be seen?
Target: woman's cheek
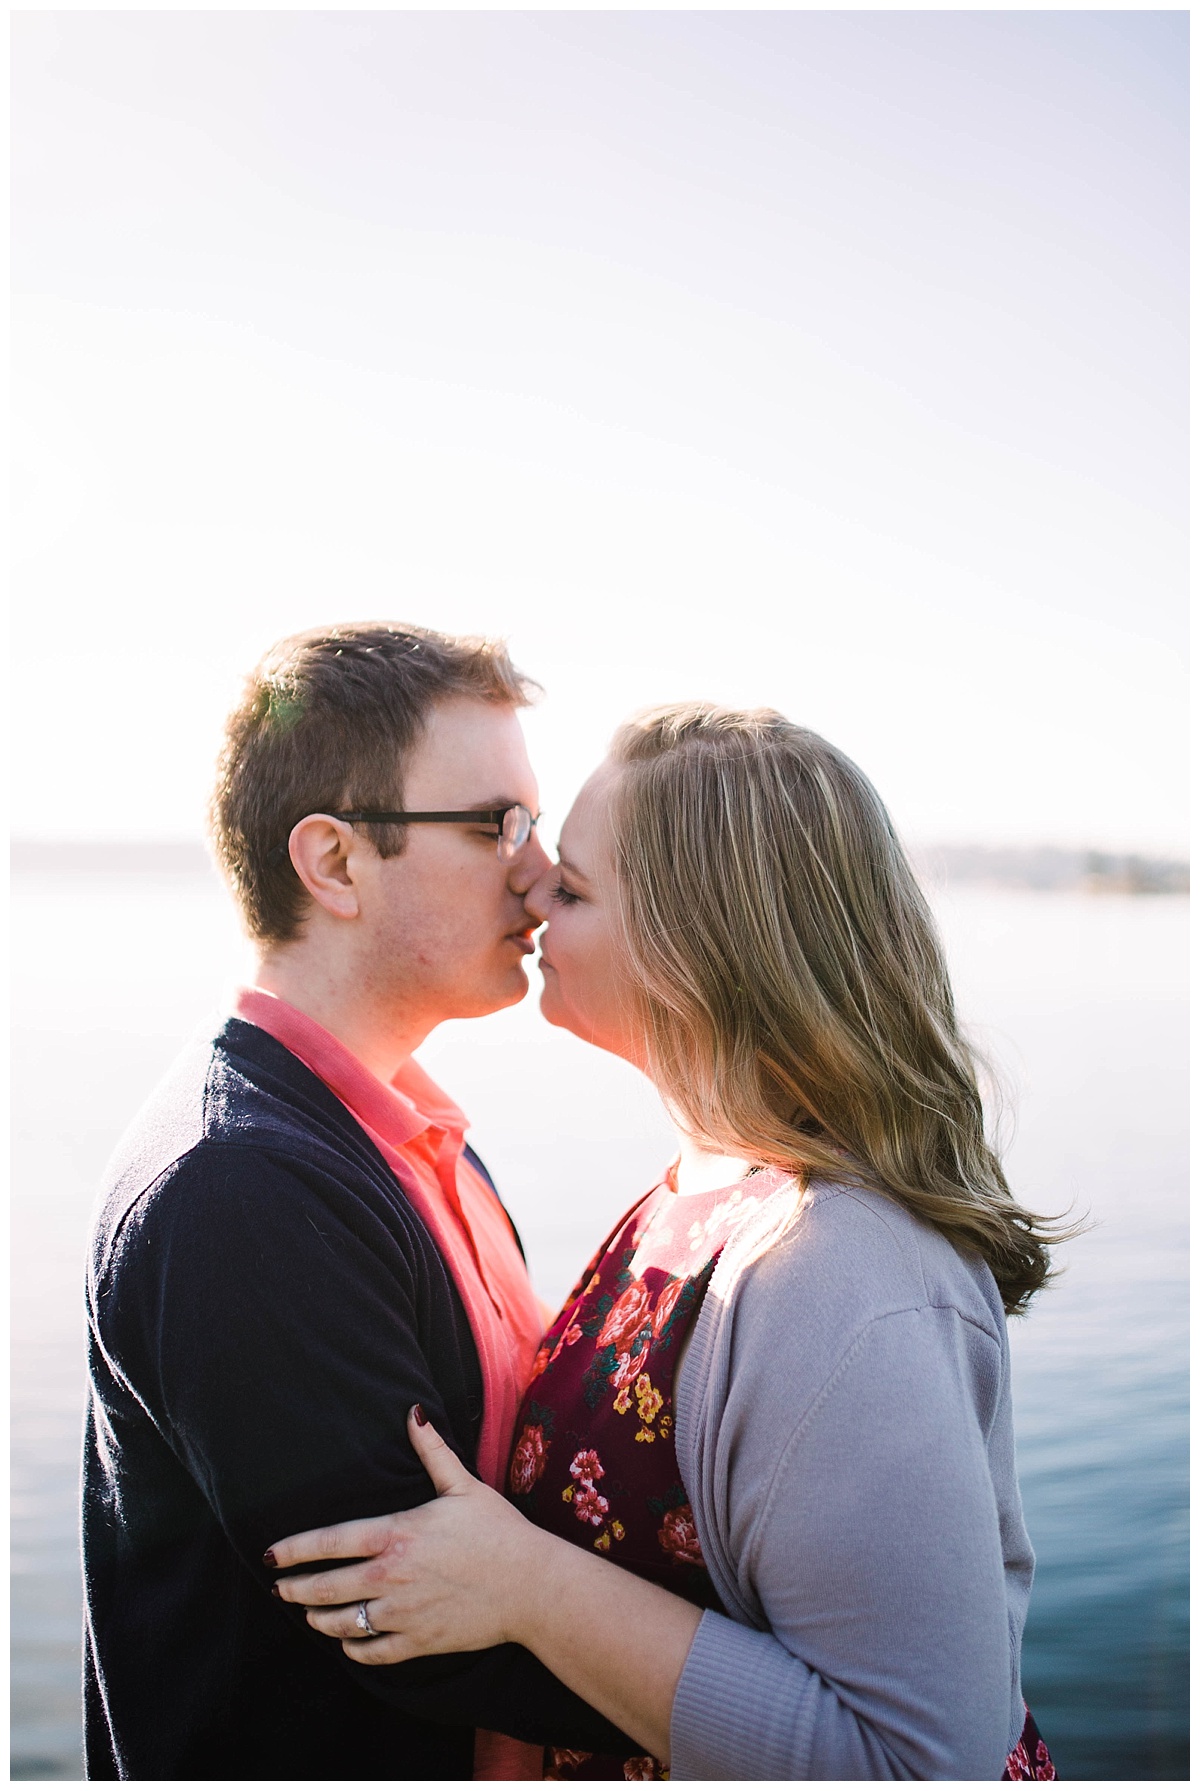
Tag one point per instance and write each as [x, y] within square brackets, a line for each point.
[564, 993]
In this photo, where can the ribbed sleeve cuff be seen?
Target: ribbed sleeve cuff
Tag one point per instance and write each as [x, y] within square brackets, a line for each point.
[743, 1707]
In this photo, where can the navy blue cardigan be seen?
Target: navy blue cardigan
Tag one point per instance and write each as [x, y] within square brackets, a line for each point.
[264, 1307]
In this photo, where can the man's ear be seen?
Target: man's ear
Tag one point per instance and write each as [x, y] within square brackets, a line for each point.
[322, 852]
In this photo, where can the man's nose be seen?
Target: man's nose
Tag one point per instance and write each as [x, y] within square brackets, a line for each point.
[531, 863]
[537, 900]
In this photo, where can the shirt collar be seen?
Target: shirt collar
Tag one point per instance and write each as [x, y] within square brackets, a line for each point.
[399, 1111]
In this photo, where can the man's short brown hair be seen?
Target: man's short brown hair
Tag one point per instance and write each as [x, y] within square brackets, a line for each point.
[326, 722]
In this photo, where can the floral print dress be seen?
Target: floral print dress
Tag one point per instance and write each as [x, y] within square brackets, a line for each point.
[594, 1459]
[1030, 1759]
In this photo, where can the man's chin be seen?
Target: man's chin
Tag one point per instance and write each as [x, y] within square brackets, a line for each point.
[520, 986]
[504, 991]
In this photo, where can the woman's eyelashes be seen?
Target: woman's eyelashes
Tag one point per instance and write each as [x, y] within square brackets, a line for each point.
[561, 894]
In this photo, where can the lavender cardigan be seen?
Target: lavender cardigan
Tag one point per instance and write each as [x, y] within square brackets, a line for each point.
[845, 1436]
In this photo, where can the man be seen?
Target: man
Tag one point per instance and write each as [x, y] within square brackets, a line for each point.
[295, 1246]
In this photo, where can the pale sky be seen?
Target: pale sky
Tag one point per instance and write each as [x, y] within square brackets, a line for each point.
[828, 360]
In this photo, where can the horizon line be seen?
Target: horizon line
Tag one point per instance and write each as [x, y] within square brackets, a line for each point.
[1042, 866]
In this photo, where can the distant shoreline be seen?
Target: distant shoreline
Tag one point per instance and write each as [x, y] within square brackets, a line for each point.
[1039, 867]
[1053, 868]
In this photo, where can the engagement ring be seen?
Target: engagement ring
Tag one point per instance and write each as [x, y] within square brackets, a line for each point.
[363, 1621]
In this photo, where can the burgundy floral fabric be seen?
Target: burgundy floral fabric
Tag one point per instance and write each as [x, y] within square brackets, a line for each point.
[1030, 1759]
[594, 1458]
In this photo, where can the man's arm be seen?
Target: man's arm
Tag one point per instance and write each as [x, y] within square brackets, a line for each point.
[274, 1324]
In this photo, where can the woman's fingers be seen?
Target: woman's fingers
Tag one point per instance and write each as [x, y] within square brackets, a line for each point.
[437, 1458]
[339, 1586]
[380, 1651]
[372, 1535]
[337, 1542]
[342, 1622]
[374, 1651]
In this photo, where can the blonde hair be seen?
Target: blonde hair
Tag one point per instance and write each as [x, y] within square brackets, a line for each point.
[793, 992]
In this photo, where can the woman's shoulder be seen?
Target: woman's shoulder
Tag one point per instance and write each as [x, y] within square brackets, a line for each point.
[844, 1257]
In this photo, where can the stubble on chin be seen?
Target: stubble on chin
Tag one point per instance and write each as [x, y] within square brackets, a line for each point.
[504, 989]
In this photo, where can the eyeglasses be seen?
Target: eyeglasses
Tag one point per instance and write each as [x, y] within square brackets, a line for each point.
[515, 823]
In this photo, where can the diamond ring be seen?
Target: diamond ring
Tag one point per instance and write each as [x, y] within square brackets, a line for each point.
[362, 1621]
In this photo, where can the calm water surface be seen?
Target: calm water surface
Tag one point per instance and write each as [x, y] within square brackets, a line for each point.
[1080, 1001]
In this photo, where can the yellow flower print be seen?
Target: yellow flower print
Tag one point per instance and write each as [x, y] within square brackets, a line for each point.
[614, 1532]
[568, 1494]
[644, 1436]
[623, 1402]
[650, 1400]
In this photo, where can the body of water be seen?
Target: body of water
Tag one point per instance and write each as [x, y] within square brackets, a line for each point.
[1080, 1000]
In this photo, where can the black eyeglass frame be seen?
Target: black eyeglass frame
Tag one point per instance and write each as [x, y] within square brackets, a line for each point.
[496, 817]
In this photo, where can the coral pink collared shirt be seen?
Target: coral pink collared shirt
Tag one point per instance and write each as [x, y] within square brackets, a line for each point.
[419, 1133]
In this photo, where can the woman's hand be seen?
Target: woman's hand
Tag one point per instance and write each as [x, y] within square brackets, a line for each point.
[448, 1576]
[466, 1571]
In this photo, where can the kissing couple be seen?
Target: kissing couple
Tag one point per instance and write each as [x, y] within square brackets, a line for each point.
[748, 1508]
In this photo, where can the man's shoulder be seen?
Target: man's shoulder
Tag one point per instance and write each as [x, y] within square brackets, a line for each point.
[234, 1113]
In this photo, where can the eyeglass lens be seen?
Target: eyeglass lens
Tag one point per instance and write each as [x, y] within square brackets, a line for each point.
[514, 831]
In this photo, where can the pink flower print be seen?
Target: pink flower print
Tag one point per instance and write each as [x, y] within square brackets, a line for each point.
[629, 1367]
[529, 1459]
[1044, 1765]
[586, 1467]
[572, 1334]
[624, 1323]
[564, 1759]
[1017, 1765]
[590, 1506]
[668, 1299]
[678, 1537]
[642, 1766]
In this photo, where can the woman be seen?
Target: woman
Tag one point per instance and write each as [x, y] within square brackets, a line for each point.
[779, 1397]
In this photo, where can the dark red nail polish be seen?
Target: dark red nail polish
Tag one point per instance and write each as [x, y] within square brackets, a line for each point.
[269, 1559]
[419, 1414]
[275, 1592]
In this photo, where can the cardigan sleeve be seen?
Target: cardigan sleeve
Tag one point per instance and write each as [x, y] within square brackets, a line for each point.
[866, 1533]
[271, 1328]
